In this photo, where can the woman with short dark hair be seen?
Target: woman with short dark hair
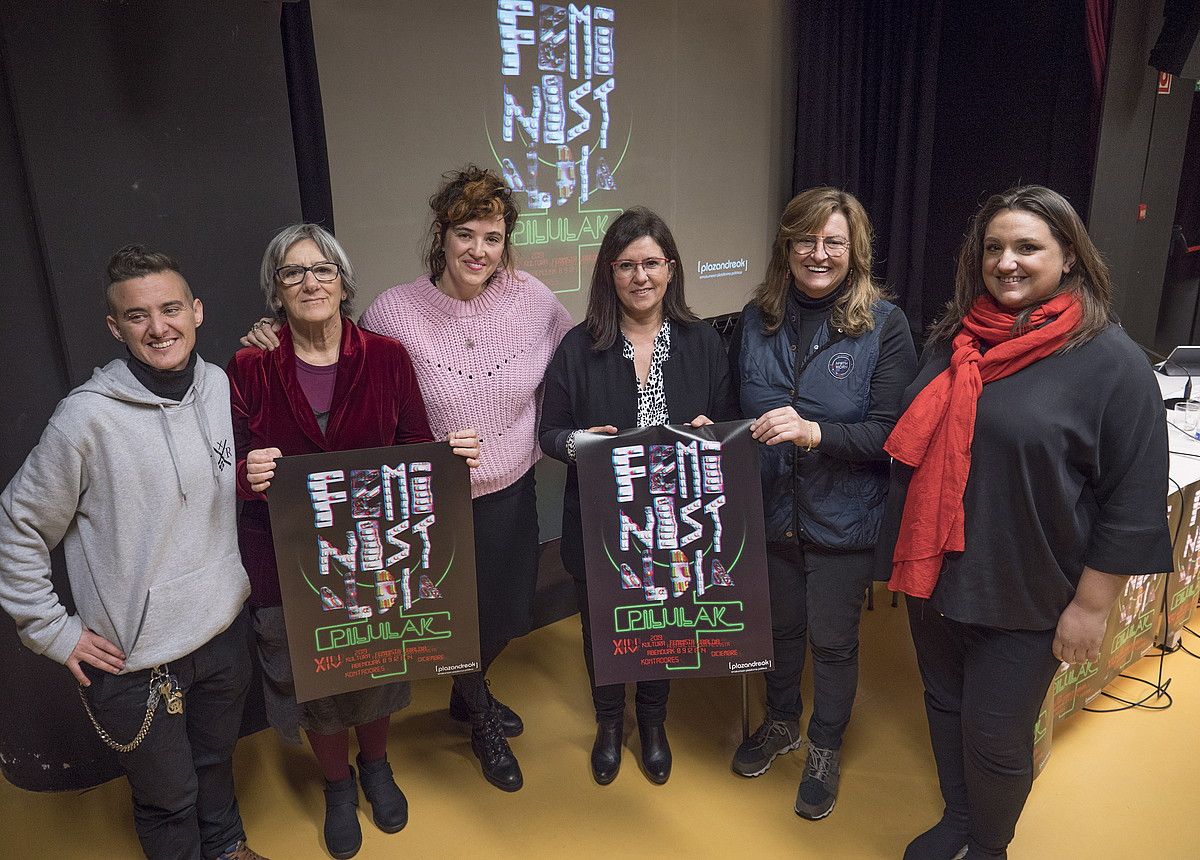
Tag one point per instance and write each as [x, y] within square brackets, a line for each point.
[1029, 480]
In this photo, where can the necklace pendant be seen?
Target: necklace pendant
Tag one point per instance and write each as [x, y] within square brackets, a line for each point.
[470, 343]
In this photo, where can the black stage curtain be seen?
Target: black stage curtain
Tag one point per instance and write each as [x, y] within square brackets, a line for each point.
[160, 123]
[308, 118]
[865, 119]
[1187, 206]
[922, 108]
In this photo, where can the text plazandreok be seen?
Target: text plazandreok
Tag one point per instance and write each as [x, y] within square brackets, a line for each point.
[391, 513]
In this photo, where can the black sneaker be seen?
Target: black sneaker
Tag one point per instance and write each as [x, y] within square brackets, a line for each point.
[389, 806]
[773, 738]
[818, 790]
[343, 836]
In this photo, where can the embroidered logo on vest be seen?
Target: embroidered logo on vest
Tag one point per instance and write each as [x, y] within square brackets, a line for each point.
[840, 365]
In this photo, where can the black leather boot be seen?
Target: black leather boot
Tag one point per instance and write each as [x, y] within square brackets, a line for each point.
[510, 721]
[656, 752]
[499, 765]
[946, 840]
[606, 751]
[389, 806]
[343, 836]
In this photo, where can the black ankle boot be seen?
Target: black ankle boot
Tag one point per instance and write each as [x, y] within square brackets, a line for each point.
[946, 840]
[389, 806]
[499, 765]
[606, 751]
[343, 836]
[656, 752]
[510, 721]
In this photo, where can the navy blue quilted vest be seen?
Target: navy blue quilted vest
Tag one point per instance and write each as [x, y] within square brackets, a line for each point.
[811, 496]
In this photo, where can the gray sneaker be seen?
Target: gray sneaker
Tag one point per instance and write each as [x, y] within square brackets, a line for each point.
[818, 790]
[773, 738]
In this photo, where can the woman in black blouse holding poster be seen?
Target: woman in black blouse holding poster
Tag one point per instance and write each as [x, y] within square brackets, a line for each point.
[641, 358]
[1029, 479]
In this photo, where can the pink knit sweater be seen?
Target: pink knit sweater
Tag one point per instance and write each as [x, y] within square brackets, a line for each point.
[480, 363]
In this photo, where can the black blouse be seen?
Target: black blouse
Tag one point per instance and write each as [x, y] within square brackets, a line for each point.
[1068, 468]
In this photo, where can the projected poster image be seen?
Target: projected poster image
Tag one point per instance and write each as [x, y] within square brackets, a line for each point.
[583, 109]
[557, 146]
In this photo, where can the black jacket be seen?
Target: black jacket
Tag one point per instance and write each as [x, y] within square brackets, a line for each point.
[585, 388]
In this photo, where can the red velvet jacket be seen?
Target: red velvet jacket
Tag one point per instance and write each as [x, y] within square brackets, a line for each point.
[376, 402]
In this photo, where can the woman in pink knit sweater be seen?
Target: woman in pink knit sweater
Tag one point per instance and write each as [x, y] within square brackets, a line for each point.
[481, 334]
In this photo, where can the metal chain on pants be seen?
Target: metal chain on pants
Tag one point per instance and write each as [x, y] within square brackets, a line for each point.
[151, 708]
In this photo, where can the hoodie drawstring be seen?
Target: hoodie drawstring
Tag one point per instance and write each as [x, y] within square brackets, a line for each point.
[162, 413]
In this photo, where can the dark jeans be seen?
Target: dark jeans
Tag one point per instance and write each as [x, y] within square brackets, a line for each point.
[181, 775]
[816, 596]
[984, 687]
[609, 700]
[506, 568]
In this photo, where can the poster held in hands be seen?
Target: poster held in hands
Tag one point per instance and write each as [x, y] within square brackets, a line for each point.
[675, 552]
[376, 556]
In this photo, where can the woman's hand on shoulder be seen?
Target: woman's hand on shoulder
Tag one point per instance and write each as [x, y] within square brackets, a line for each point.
[260, 468]
[465, 443]
[263, 334]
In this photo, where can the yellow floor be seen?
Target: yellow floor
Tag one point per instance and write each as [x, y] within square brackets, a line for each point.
[1118, 785]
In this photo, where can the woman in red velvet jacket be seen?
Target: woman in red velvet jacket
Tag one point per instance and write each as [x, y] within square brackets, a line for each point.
[331, 386]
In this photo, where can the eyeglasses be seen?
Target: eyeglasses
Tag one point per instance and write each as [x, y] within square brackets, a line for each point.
[289, 276]
[834, 246]
[650, 265]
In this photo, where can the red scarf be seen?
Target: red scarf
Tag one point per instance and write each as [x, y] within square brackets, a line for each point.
[935, 432]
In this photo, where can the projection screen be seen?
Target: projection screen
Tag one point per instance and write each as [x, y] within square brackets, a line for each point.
[586, 109]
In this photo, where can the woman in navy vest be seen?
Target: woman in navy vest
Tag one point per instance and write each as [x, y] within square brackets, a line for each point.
[641, 358]
[819, 361]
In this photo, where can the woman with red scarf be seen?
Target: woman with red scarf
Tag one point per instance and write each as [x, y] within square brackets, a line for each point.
[1029, 480]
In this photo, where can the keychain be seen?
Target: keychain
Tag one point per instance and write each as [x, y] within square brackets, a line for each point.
[165, 684]
[172, 695]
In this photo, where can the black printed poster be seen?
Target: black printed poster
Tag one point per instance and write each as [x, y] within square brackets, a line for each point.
[675, 552]
[1183, 584]
[376, 557]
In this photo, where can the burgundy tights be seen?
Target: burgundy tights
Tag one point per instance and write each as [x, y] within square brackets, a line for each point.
[333, 751]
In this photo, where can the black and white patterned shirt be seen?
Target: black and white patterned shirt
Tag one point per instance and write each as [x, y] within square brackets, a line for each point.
[652, 399]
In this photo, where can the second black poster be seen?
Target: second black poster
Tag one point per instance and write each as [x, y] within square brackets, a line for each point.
[675, 552]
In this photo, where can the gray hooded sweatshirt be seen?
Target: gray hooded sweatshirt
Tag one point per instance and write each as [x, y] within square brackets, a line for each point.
[140, 491]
